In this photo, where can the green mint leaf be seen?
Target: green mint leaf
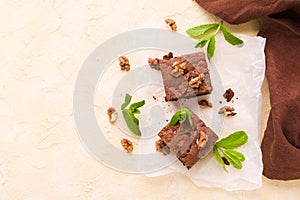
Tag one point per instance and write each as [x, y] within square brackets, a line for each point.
[202, 42]
[132, 122]
[200, 30]
[229, 37]
[218, 157]
[233, 160]
[233, 141]
[136, 111]
[136, 105]
[235, 154]
[211, 48]
[180, 116]
[127, 101]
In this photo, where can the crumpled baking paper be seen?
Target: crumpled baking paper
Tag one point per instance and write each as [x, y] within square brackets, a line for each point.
[242, 69]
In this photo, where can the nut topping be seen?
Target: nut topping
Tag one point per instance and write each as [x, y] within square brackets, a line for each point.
[227, 110]
[197, 81]
[179, 66]
[124, 63]
[127, 145]
[172, 24]
[175, 73]
[112, 114]
[202, 140]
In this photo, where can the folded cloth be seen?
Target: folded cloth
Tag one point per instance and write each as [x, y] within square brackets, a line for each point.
[281, 142]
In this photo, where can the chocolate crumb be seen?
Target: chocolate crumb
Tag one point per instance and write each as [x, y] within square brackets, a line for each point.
[127, 145]
[228, 94]
[124, 63]
[204, 102]
[168, 56]
[220, 102]
[236, 98]
[154, 97]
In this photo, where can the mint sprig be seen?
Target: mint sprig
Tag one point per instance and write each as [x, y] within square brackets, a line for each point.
[180, 116]
[227, 146]
[129, 114]
[200, 31]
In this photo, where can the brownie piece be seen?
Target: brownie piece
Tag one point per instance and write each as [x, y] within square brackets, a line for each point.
[189, 143]
[185, 76]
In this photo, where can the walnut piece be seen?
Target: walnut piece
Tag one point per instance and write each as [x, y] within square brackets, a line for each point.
[202, 140]
[124, 63]
[197, 81]
[204, 102]
[179, 66]
[172, 24]
[112, 114]
[227, 110]
[162, 147]
[228, 94]
[154, 63]
[127, 145]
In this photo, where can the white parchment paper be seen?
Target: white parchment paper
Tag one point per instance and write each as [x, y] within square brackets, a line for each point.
[242, 69]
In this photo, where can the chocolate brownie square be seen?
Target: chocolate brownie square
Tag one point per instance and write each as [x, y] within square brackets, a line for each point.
[185, 76]
[189, 143]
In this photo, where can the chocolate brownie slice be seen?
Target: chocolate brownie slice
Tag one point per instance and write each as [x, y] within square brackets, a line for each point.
[185, 76]
[189, 143]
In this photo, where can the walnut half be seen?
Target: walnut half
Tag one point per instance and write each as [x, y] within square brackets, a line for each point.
[112, 114]
[172, 24]
[127, 145]
[124, 63]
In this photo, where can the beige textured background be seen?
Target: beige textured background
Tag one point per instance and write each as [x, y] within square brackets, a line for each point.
[43, 44]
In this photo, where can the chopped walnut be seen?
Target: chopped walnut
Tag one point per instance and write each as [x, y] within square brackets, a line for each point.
[172, 24]
[228, 94]
[197, 81]
[204, 102]
[175, 73]
[124, 63]
[179, 66]
[154, 63]
[202, 140]
[162, 147]
[127, 145]
[112, 114]
[227, 110]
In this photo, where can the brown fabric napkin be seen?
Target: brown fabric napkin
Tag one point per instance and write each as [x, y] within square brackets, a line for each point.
[281, 142]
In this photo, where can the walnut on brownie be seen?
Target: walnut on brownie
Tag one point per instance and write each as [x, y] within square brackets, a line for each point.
[184, 76]
[189, 142]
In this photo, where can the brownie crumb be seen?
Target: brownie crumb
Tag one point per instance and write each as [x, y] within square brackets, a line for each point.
[227, 110]
[168, 56]
[124, 63]
[228, 94]
[112, 114]
[154, 97]
[204, 102]
[171, 24]
[162, 147]
[220, 102]
[127, 145]
[236, 98]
